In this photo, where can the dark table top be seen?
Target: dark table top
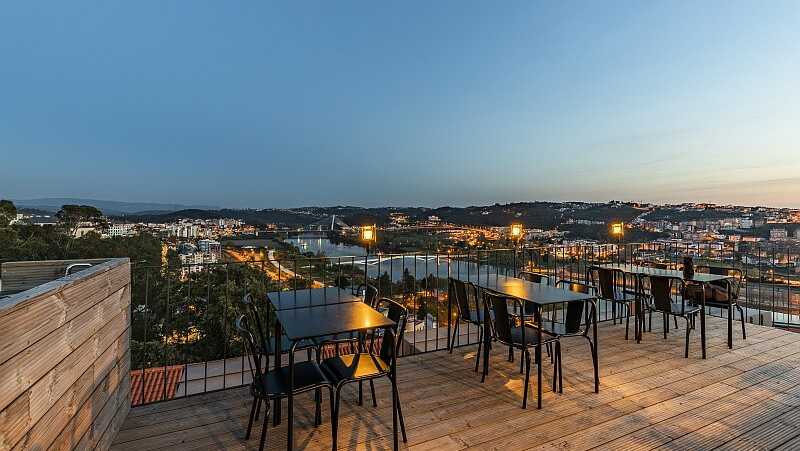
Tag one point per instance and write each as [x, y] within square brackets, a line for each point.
[332, 319]
[536, 293]
[282, 300]
[648, 271]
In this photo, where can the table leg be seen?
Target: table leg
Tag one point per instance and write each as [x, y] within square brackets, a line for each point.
[539, 354]
[730, 326]
[487, 342]
[276, 413]
[703, 321]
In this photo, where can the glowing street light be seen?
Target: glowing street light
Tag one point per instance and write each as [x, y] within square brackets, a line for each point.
[368, 235]
[516, 235]
[618, 229]
[516, 231]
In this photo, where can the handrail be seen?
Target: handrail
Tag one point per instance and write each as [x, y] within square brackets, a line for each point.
[69, 269]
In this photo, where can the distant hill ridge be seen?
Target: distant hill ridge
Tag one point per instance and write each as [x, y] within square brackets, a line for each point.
[108, 207]
[532, 214]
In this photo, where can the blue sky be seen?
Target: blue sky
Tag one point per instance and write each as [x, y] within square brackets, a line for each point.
[268, 104]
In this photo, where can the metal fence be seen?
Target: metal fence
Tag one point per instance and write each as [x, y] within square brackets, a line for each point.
[184, 341]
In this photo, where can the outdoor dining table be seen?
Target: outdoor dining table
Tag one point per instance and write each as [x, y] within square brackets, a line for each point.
[312, 321]
[698, 278]
[538, 295]
[312, 297]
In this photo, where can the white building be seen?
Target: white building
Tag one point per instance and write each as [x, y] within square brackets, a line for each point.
[120, 229]
[210, 247]
[778, 234]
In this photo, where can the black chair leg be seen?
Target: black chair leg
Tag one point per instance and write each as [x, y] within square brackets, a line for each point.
[453, 340]
[675, 318]
[664, 324]
[372, 392]
[527, 378]
[560, 369]
[596, 369]
[264, 428]
[688, 331]
[258, 409]
[627, 323]
[335, 416]
[487, 347]
[252, 416]
[741, 314]
[400, 412]
[480, 345]
[555, 370]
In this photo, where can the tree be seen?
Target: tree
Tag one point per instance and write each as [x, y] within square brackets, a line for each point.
[8, 212]
[71, 217]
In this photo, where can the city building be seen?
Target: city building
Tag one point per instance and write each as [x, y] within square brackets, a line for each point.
[120, 229]
[778, 234]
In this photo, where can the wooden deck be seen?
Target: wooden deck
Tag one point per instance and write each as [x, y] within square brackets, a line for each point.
[650, 397]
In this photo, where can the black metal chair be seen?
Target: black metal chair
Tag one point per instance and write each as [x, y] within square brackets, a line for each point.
[268, 386]
[607, 281]
[468, 313]
[667, 297]
[255, 315]
[354, 343]
[534, 277]
[576, 321]
[370, 296]
[505, 330]
[362, 366]
[723, 294]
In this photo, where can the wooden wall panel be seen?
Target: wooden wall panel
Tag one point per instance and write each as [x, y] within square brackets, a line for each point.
[65, 361]
[20, 276]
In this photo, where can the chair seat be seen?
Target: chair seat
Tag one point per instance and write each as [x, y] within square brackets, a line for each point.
[336, 338]
[477, 317]
[307, 375]
[620, 298]
[720, 304]
[559, 329]
[531, 338]
[286, 345]
[354, 366]
[677, 309]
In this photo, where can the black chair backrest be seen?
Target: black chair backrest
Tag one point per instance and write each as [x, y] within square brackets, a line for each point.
[399, 315]
[731, 284]
[661, 289]
[252, 347]
[534, 277]
[461, 292]
[251, 309]
[503, 321]
[606, 282]
[370, 293]
[575, 309]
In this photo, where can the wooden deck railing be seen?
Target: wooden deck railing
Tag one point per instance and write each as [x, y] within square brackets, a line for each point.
[65, 360]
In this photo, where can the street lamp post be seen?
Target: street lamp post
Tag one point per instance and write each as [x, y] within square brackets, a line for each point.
[618, 229]
[516, 235]
[368, 236]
